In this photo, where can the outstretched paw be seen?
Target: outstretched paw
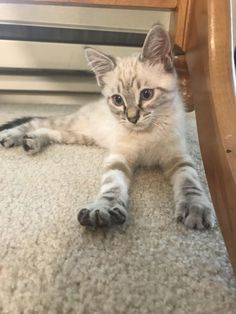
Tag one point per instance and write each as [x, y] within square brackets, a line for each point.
[31, 144]
[195, 215]
[100, 215]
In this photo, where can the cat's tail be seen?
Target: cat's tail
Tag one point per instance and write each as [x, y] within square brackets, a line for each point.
[14, 123]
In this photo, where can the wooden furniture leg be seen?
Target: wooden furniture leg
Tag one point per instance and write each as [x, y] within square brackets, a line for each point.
[210, 62]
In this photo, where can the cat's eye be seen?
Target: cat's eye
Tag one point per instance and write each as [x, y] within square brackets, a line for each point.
[146, 94]
[117, 100]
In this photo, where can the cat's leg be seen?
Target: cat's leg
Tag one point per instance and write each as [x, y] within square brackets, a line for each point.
[34, 134]
[111, 204]
[15, 133]
[12, 133]
[36, 141]
[192, 205]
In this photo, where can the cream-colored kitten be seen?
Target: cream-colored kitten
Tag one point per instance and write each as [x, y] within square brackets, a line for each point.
[140, 120]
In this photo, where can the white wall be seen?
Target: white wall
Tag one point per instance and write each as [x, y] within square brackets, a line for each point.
[66, 56]
[36, 55]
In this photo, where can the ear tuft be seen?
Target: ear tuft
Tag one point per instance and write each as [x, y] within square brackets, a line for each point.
[157, 46]
[99, 63]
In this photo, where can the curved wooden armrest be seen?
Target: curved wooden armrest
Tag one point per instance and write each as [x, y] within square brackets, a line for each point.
[210, 61]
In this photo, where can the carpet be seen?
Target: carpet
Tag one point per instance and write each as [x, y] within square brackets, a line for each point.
[51, 264]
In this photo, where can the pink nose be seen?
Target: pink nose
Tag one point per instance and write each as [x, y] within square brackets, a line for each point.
[133, 119]
[132, 114]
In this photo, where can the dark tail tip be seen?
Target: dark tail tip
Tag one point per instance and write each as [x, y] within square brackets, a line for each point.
[14, 123]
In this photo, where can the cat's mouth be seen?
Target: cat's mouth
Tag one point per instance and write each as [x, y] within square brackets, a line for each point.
[142, 123]
[138, 126]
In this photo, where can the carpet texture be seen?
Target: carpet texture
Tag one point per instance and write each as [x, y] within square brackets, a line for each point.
[51, 264]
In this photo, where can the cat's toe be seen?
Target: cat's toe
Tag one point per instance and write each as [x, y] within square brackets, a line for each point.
[195, 216]
[208, 219]
[31, 144]
[118, 215]
[83, 217]
[100, 218]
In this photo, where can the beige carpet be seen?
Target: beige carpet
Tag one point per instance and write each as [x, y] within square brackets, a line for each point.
[50, 264]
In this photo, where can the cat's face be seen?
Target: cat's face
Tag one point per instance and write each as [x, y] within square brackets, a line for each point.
[136, 87]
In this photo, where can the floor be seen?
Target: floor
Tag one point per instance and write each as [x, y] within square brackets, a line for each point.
[51, 264]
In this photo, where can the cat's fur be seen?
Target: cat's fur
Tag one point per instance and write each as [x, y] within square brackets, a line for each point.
[135, 132]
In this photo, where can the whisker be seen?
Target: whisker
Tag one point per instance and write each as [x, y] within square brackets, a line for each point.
[146, 114]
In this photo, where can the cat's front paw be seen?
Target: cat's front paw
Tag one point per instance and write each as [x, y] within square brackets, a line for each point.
[99, 215]
[196, 214]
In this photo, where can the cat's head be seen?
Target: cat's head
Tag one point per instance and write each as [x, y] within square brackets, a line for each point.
[137, 86]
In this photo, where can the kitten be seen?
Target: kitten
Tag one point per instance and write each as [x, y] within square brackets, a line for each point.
[140, 120]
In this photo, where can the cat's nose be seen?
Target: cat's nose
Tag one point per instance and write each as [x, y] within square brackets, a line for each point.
[132, 114]
[133, 119]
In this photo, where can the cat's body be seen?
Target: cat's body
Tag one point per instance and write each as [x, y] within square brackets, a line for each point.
[140, 121]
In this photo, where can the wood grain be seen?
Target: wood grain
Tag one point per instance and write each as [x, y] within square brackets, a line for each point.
[144, 4]
[179, 21]
[181, 13]
[209, 58]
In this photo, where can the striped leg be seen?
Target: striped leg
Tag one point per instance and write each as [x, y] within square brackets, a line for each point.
[111, 204]
[12, 133]
[192, 205]
[35, 141]
[34, 134]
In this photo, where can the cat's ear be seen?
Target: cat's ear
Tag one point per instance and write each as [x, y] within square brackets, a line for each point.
[157, 46]
[99, 63]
